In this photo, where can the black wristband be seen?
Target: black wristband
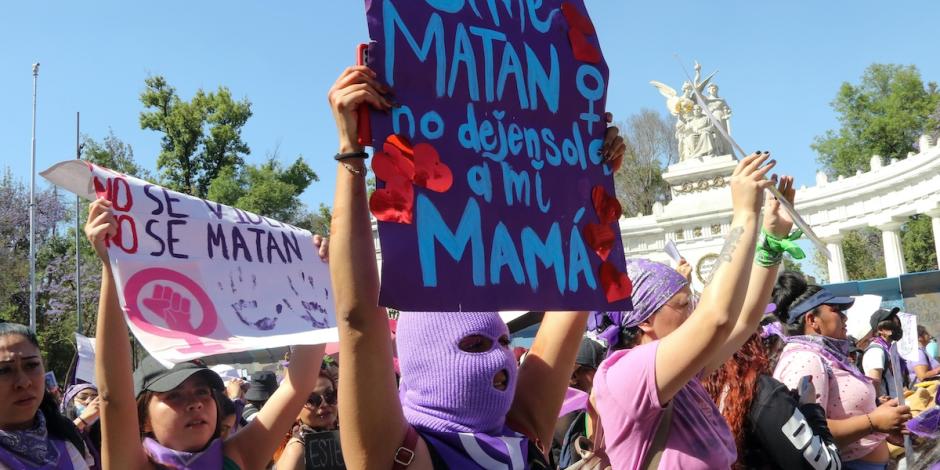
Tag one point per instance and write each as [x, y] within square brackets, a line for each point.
[346, 156]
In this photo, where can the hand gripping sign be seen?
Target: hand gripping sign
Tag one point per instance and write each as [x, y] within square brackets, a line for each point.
[492, 193]
[197, 278]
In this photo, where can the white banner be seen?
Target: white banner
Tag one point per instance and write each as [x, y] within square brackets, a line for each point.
[197, 278]
[858, 321]
[85, 363]
[908, 347]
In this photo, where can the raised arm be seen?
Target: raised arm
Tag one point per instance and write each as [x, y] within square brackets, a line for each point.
[544, 376]
[120, 429]
[373, 425]
[923, 373]
[254, 445]
[685, 352]
[778, 223]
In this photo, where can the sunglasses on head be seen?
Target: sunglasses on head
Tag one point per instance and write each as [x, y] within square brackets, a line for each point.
[316, 399]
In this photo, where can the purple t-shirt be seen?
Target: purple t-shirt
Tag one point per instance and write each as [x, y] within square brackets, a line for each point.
[627, 400]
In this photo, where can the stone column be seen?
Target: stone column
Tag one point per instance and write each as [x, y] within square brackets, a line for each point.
[935, 222]
[894, 257]
[837, 272]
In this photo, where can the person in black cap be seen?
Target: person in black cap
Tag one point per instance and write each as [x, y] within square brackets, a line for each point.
[886, 329]
[262, 385]
[158, 417]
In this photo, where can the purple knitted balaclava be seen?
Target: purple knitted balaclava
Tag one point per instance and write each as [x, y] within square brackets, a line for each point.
[444, 388]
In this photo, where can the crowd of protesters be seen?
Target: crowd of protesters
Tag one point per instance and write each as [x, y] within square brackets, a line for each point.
[755, 371]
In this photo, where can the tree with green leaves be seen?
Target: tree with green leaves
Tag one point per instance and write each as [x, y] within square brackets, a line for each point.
[267, 189]
[201, 137]
[651, 146]
[114, 154]
[885, 114]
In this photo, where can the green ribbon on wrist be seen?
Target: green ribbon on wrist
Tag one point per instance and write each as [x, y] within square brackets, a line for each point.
[771, 248]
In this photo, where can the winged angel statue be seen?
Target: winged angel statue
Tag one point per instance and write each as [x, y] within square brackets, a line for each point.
[696, 134]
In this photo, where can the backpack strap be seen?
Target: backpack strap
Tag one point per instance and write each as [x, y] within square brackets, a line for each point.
[659, 441]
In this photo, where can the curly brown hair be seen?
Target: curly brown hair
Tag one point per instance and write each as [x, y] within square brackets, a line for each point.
[734, 384]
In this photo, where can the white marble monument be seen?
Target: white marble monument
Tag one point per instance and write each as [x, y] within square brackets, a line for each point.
[698, 217]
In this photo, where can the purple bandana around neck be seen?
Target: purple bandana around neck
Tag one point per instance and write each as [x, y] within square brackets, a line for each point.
[446, 389]
[472, 451]
[209, 458]
[881, 342]
[836, 351]
[33, 446]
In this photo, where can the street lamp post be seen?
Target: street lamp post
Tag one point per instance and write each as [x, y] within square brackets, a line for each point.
[32, 212]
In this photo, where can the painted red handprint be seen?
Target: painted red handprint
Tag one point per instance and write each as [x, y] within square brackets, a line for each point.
[173, 308]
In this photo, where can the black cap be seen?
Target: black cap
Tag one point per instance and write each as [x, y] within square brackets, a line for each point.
[152, 376]
[881, 315]
[590, 353]
[261, 386]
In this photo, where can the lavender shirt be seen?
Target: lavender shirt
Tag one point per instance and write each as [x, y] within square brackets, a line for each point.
[923, 359]
[628, 402]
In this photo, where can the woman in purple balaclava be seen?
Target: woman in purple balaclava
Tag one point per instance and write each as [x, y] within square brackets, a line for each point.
[662, 348]
[463, 402]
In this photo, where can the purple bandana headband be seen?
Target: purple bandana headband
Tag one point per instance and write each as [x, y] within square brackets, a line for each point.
[653, 285]
[71, 392]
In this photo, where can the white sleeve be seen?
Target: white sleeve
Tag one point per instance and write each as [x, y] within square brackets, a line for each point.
[79, 461]
[873, 359]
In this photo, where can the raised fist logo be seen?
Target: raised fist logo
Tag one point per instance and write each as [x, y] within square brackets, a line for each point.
[170, 306]
[173, 299]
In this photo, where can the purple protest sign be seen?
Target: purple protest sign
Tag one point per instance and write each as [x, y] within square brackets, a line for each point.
[489, 171]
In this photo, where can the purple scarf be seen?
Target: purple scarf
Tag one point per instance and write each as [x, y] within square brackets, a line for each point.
[469, 451]
[210, 458]
[881, 342]
[835, 351]
[33, 446]
[18, 462]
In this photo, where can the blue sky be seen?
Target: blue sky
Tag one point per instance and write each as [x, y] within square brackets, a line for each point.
[780, 64]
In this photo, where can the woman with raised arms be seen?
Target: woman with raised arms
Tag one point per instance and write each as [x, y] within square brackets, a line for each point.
[463, 403]
[653, 409]
[169, 418]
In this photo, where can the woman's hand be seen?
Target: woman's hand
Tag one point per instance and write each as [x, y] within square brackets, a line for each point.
[323, 247]
[233, 389]
[357, 85]
[101, 226]
[614, 146]
[777, 221]
[90, 414]
[748, 183]
[685, 269]
[889, 417]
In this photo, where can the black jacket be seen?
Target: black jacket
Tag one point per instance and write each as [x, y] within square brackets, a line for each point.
[782, 434]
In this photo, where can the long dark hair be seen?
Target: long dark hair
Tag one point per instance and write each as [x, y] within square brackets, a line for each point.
[57, 426]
